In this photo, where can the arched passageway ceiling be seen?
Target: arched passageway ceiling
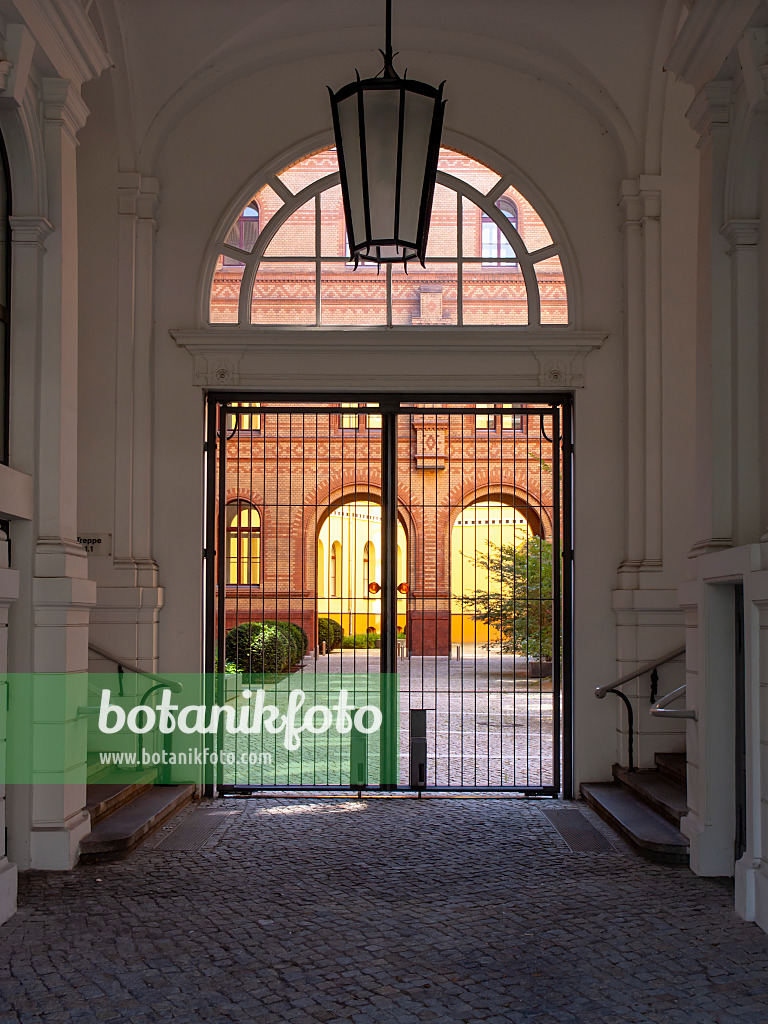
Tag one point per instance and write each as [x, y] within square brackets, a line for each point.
[175, 63]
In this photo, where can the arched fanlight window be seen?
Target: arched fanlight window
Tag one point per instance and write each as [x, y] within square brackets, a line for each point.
[491, 260]
[243, 233]
[497, 249]
[243, 545]
[335, 573]
[5, 298]
[369, 556]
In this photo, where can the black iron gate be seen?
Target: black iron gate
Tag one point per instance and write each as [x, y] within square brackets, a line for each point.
[388, 592]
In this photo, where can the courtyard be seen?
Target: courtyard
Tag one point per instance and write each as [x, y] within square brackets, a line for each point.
[490, 723]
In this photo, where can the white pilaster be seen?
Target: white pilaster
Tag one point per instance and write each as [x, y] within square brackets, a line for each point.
[46, 805]
[634, 386]
[709, 115]
[9, 590]
[742, 237]
[650, 194]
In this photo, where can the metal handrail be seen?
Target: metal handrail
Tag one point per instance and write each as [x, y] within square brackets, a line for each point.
[158, 682]
[661, 708]
[649, 666]
[122, 664]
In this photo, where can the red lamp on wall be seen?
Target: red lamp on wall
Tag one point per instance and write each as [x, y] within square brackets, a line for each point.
[388, 142]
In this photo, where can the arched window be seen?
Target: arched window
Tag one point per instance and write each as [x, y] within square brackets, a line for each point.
[497, 251]
[243, 233]
[243, 545]
[335, 573]
[369, 555]
[298, 271]
[5, 298]
[320, 569]
[243, 420]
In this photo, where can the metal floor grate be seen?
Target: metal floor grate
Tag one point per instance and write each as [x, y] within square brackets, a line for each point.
[580, 834]
[194, 831]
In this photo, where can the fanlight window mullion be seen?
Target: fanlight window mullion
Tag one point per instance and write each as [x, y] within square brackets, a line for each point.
[491, 280]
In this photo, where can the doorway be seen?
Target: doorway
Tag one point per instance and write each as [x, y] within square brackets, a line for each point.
[408, 557]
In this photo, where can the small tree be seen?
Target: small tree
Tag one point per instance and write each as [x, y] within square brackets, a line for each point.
[519, 597]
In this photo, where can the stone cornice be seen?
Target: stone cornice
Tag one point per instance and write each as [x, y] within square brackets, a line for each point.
[741, 234]
[64, 106]
[30, 230]
[708, 35]
[711, 107]
[389, 358]
[340, 339]
[66, 35]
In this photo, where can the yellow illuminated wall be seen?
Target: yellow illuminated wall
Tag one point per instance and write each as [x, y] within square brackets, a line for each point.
[476, 526]
[353, 531]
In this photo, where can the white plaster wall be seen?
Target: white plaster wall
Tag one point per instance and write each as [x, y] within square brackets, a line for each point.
[573, 162]
[574, 159]
[97, 199]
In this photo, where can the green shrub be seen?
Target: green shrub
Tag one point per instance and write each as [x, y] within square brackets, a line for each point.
[260, 647]
[297, 638]
[238, 645]
[360, 641]
[271, 650]
[330, 631]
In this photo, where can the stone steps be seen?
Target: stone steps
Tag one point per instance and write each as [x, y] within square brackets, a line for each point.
[101, 799]
[646, 807]
[662, 794]
[132, 820]
[673, 766]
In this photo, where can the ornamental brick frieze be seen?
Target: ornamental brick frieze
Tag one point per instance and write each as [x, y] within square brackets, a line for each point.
[430, 446]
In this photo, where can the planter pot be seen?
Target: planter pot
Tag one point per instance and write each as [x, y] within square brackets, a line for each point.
[539, 669]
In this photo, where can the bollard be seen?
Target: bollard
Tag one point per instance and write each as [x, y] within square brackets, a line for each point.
[358, 760]
[418, 749]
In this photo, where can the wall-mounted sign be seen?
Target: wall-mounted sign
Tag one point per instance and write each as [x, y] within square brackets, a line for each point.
[96, 543]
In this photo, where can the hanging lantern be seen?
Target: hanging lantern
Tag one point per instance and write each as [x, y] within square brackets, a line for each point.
[388, 141]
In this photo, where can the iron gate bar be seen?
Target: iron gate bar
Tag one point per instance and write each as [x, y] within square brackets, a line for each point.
[566, 583]
[389, 408]
[221, 562]
[209, 556]
[556, 511]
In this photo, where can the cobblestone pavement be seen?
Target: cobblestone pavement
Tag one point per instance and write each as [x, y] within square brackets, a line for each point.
[379, 911]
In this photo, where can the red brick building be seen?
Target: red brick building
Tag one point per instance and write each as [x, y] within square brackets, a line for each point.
[489, 263]
[287, 253]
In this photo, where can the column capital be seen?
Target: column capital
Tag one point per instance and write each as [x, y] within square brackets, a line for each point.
[63, 106]
[138, 195]
[741, 234]
[711, 107]
[30, 230]
[631, 201]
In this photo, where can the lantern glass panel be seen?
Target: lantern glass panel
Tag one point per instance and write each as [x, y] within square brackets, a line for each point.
[416, 132]
[382, 109]
[350, 134]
